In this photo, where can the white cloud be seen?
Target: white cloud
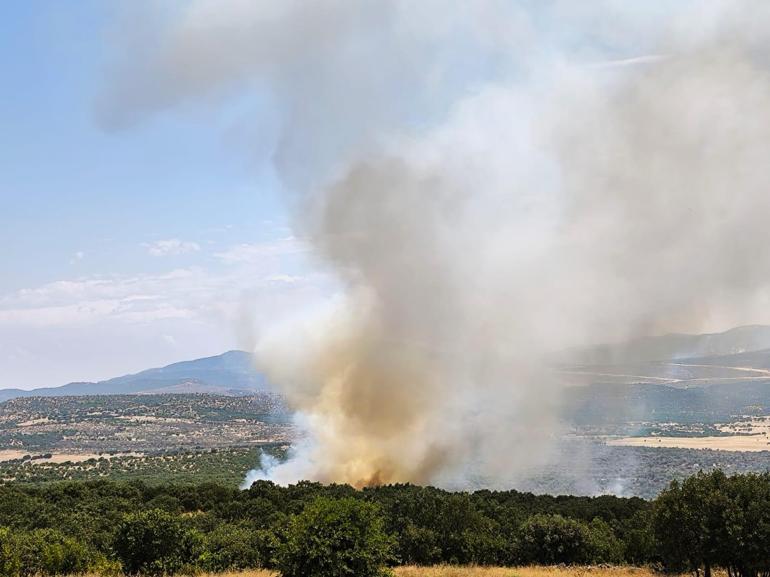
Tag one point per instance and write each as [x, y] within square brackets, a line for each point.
[251, 253]
[284, 278]
[99, 326]
[171, 246]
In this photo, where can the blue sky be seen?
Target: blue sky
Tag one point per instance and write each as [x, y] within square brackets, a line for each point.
[95, 220]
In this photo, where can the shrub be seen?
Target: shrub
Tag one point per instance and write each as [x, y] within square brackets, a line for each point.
[603, 546]
[710, 520]
[49, 552]
[10, 564]
[335, 538]
[155, 542]
[418, 546]
[231, 547]
[639, 539]
[552, 539]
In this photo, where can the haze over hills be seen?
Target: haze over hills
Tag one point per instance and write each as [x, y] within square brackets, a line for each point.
[684, 378]
[678, 346]
[731, 377]
[231, 373]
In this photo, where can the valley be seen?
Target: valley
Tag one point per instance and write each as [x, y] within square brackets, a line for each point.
[627, 428]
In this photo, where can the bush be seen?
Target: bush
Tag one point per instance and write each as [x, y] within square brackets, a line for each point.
[639, 539]
[10, 564]
[552, 539]
[231, 547]
[418, 546]
[711, 520]
[335, 538]
[49, 552]
[603, 546]
[155, 542]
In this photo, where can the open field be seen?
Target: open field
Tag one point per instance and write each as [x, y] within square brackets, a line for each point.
[536, 571]
[749, 443]
[749, 435]
[463, 571]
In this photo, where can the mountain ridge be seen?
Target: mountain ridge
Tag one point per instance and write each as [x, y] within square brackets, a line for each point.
[232, 372]
[676, 346]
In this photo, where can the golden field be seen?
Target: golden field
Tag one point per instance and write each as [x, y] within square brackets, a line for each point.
[455, 571]
[460, 571]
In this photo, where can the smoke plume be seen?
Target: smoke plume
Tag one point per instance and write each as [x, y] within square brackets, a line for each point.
[491, 183]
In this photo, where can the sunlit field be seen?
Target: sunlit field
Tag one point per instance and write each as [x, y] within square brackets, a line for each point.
[460, 571]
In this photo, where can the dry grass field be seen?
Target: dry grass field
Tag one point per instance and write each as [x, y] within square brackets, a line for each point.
[455, 571]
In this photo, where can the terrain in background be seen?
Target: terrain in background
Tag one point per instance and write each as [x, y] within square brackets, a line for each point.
[168, 437]
[635, 416]
[231, 373]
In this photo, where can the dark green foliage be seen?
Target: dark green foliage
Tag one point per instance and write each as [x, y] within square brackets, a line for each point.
[639, 538]
[44, 552]
[603, 545]
[552, 539]
[419, 545]
[48, 552]
[10, 563]
[231, 547]
[708, 521]
[335, 538]
[711, 520]
[155, 542]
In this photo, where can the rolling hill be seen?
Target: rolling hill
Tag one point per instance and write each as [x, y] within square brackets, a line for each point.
[231, 373]
[677, 346]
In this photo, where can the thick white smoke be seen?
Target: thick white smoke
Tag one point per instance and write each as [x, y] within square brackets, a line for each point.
[490, 188]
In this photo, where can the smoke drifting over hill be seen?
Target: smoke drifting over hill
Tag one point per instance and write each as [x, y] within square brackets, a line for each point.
[491, 184]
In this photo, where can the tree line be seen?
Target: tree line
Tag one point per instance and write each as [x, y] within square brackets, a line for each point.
[708, 521]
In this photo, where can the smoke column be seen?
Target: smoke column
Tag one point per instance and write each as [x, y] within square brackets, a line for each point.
[490, 184]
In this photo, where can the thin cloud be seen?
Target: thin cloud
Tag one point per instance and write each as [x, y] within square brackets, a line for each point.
[171, 247]
[251, 253]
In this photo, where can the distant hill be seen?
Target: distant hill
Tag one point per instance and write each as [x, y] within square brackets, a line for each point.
[681, 361]
[718, 403]
[677, 346]
[231, 373]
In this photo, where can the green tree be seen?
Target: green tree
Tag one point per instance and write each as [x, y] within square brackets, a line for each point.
[418, 546]
[690, 523]
[639, 538]
[553, 539]
[155, 542]
[49, 552]
[230, 548]
[335, 538]
[603, 546]
[10, 564]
